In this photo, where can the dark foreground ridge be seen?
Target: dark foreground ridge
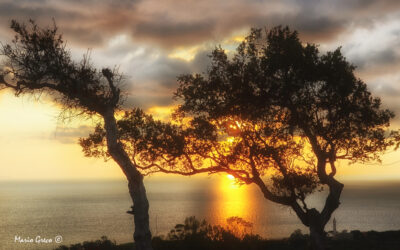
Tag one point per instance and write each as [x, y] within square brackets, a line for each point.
[199, 235]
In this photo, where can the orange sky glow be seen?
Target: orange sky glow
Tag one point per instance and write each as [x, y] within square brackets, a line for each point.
[36, 145]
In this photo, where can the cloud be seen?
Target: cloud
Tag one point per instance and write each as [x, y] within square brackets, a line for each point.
[173, 23]
[141, 36]
[86, 23]
[150, 72]
[171, 33]
[72, 134]
[386, 90]
[154, 78]
[376, 58]
[168, 24]
[374, 46]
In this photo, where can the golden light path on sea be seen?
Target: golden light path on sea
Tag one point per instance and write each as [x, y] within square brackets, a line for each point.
[232, 200]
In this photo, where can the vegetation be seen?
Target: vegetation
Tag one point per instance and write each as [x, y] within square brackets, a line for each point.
[293, 112]
[277, 114]
[37, 62]
[103, 244]
[199, 235]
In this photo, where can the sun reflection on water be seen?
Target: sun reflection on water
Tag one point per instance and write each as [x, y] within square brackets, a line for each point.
[233, 200]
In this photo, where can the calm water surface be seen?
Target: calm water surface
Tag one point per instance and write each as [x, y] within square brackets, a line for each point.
[80, 211]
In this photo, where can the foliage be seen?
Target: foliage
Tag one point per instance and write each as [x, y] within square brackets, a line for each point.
[195, 234]
[103, 244]
[274, 78]
[150, 144]
[277, 113]
[239, 227]
[200, 239]
[37, 62]
[296, 111]
[297, 235]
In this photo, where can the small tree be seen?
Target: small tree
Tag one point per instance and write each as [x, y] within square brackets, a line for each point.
[37, 62]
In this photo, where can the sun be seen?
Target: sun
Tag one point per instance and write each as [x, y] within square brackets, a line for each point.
[230, 177]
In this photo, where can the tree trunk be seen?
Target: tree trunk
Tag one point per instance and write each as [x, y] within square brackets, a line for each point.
[140, 210]
[317, 233]
[137, 191]
[315, 220]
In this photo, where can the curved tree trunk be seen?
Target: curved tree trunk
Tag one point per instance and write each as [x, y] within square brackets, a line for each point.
[311, 218]
[137, 190]
[317, 221]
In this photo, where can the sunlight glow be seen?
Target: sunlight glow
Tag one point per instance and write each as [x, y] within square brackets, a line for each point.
[35, 145]
[162, 113]
[233, 201]
[185, 53]
[230, 177]
[230, 139]
[233, 128]
[238, 39]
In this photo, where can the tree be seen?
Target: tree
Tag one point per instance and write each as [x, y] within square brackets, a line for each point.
[277, 114]
[37, 62]
[296, 113]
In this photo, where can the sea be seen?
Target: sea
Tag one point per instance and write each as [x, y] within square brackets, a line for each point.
[47, 214]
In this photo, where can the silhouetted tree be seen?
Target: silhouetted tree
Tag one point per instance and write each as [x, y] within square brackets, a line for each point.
[37, 62]
[293, 113]
[276, 114]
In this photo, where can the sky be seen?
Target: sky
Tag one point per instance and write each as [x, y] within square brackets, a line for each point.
[152, 42]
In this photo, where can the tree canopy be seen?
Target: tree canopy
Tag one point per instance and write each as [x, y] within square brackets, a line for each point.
[276, 113]
[307, 111]
[37, 62]
[275, 107]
